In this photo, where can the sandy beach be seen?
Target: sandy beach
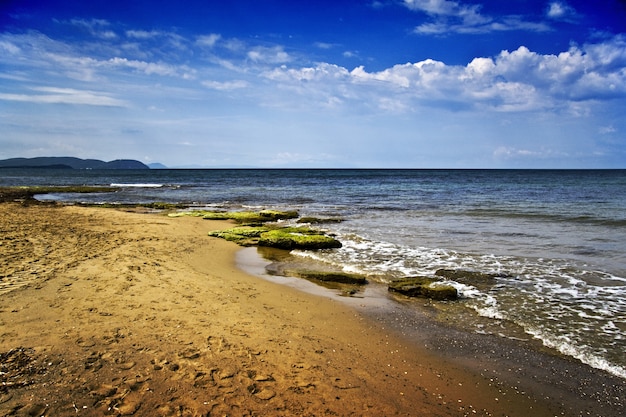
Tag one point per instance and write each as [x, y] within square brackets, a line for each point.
[114, 312]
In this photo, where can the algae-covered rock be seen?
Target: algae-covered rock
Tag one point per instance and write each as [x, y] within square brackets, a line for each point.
[318, 220]
[244, 217]
[424, 287]
[298, 238]
[273, 215]
[280, 238]
[244, 236]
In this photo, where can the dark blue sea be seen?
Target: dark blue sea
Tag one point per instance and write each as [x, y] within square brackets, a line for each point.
[557, 239]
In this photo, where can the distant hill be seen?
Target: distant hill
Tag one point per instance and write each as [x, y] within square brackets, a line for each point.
[157, 165]
[66, 162]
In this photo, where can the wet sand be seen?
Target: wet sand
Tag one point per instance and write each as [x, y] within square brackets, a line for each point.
[111, 312]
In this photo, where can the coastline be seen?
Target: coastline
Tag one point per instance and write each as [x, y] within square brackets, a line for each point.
[134, 313]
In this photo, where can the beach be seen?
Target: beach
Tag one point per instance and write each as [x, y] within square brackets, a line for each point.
[129, 312]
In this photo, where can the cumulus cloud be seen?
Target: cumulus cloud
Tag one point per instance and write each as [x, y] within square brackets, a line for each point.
[518, 80]
[559, 10]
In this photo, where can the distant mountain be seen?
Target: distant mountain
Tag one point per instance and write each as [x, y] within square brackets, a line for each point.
[66, 162]
[156, 165]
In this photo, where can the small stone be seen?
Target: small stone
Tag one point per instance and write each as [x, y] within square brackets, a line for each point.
[265, 394]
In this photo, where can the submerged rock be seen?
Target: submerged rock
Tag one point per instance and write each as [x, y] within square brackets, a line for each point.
[424, 287]
[328, 276]
[318, 220]
[474, 278]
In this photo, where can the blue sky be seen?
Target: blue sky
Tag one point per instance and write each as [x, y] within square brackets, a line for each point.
[269, 83]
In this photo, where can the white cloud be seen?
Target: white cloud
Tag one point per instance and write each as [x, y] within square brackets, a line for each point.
[208, 41]
[9, 48]
[559, 10]
[96, 27]
[324, 45]
[143, 34]
[607, 130]
[55, 95]
[150, 68]
[226, 85]
[269, 55]
[512, 81]
[454, 17]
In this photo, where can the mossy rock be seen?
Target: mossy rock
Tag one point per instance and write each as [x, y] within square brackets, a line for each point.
[424, 287]
[280, 238]
[318, 220]
[193, 213]
[243, 217]
[244, 236]
[298, 238]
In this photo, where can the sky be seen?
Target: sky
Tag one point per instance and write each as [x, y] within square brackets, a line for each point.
[316, 84]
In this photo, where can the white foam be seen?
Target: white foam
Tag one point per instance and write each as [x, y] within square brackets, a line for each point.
[564, 345]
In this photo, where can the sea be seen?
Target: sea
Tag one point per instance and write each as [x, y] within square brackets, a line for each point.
[555, 240]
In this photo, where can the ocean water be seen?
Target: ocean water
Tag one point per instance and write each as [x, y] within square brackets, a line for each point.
[556, 239]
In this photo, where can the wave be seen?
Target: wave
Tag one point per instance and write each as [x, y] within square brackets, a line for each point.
[551, 217]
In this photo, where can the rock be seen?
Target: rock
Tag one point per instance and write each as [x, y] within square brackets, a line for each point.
[474, 278]
[424, 287]
[297, 238]
[251, 217]
[317, 220]
[329, 276]
[244, 236]
[243, 217]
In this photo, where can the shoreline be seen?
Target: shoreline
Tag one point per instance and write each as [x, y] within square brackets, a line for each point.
[521, 365]
[131, 313]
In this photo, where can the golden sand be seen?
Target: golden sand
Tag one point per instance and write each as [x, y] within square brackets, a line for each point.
[111, 312]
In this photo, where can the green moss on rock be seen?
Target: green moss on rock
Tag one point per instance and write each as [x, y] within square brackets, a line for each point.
[281, 238]
[243, 217]
[244, 236]
[424, 287]
[318, 220]
[298, 238]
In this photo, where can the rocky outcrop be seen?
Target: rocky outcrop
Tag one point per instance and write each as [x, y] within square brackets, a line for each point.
[298, 238]
[281, 238]
[242, 217]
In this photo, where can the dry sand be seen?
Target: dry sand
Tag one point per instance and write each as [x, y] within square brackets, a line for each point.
[110, 312]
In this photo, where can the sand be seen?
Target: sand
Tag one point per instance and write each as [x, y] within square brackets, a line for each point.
[113, 312]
